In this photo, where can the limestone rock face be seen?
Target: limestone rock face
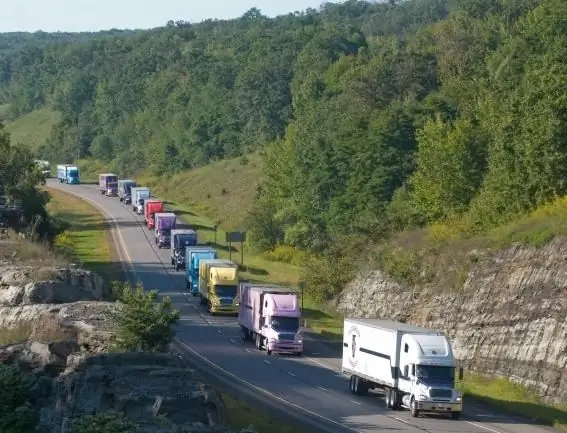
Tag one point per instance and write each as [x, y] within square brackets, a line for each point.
[25, 285]
[508, 319]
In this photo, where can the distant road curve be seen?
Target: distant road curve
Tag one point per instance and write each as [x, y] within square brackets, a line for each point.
[308, 391]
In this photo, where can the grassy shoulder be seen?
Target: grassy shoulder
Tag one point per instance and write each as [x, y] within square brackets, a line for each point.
[87, 238]
[242, 415]
[513, 399]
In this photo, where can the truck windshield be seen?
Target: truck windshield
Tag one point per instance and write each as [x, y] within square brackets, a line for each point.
[435, 373]
[285, 324]
[225, 291]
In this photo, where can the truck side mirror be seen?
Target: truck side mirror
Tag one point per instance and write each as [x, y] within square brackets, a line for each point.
[406, 371]
[461, 373]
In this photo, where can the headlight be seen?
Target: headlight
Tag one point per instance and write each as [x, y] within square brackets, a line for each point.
[459, 399]
[272, 339]
[300, 341]
[422, 397]
[216, 302]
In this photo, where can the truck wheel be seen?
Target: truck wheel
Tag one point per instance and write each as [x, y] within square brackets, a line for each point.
[396, 400]
[258, 342]
[243, 335]
[388, 398]
[299, 353]
[413, 408]
[455, 415]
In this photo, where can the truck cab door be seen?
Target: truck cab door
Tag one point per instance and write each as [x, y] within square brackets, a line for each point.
[407, 368]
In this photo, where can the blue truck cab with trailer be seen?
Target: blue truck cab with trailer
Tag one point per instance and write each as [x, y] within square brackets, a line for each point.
[193, 255]
[68, 173]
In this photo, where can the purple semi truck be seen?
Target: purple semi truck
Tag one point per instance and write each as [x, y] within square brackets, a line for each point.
[164, 223]
[269, 315]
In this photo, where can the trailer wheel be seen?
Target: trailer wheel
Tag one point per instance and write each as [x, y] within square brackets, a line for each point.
[413, 408]
[396, 403]
[388, 398]
[351, 384]
[258, 342]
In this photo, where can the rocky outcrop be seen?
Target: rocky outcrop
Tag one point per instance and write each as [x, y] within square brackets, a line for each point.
[29, 285]
[156, 390]
[63, 330]
[508, 318]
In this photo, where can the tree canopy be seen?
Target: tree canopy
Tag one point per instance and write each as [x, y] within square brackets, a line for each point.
[372, 117]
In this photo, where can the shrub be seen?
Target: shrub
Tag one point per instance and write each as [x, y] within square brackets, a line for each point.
[285, 254]
[16, 412]
[104, 422]
[143, 323]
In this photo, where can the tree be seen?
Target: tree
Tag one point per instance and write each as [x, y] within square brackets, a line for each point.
[143, 323]
[105, 422]
[17, 415]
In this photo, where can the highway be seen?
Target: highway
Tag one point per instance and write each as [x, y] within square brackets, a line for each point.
[309, 390]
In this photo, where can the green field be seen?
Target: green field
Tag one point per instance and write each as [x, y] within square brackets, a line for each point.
[33, 128]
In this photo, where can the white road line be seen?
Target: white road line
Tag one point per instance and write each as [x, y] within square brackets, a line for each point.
[266, 361]
[291, 374]
[401, 420]
[356, 402]
[482, 427]
[231, 340]
[321, 388]
[219, 331]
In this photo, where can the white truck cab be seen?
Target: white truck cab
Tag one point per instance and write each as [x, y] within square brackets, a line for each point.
[414, 366]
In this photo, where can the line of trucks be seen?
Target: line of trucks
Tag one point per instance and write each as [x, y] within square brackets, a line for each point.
[413, 366]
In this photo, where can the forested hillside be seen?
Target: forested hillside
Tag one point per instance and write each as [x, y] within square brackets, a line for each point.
[372, 118]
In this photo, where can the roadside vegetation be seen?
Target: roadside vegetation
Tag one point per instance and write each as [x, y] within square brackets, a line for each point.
[398, 135]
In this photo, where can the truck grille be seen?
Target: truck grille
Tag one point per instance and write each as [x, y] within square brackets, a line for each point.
[440, 393]
[286, 336]
[226, 301]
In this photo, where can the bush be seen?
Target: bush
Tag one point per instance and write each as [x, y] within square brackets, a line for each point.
[285, 254]
[143, 323]
[105, 422]
[16, 412]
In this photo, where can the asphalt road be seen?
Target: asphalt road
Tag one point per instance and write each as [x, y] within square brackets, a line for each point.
[309, 389]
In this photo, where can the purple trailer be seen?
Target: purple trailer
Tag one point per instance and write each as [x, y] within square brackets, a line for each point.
[164, 223]
[269, 315]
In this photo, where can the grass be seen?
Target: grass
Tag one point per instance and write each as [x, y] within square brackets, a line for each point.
[33, 128]
[4, 108]
[512, 398]
[87, 239]
[242, 415]
[442, 254]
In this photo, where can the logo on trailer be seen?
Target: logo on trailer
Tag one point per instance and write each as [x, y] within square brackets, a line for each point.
[354, 337]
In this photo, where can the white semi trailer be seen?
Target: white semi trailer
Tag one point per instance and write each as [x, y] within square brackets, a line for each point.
[413, 365]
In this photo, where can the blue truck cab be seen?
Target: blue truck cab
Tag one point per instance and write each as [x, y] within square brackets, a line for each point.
[68, 173]
[193, 255]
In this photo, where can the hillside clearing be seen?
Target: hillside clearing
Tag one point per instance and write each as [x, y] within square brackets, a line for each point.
[33, 128]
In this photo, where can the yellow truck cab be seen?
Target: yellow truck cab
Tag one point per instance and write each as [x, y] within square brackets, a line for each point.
[218, 285]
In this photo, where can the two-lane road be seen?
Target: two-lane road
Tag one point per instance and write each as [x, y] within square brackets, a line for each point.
[311, 385]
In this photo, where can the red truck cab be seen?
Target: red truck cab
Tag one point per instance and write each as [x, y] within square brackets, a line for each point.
[151, 207]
